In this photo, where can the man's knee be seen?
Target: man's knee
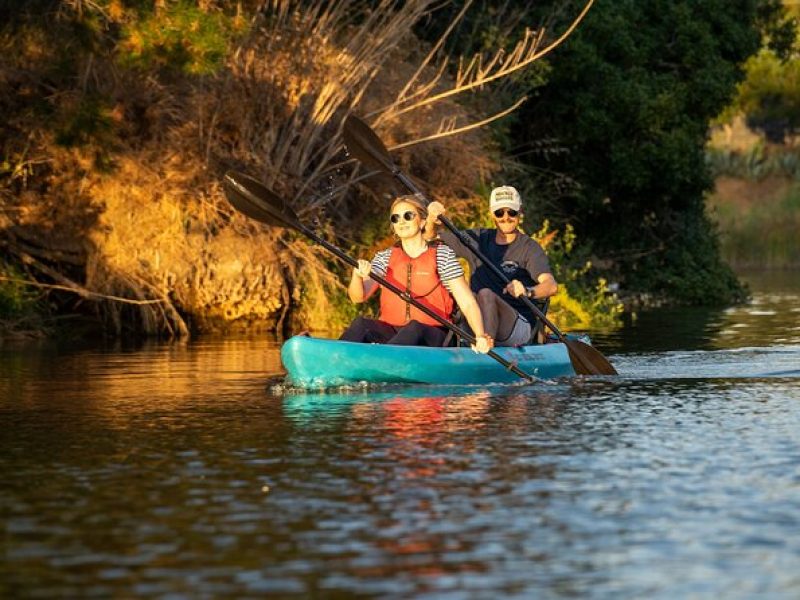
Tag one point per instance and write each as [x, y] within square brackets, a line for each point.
[487, 297]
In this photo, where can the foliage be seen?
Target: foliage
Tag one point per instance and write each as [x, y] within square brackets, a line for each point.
[15, 298]
[87, 121]
[20, 308]
[181, 36]
[754, 163]
[688, 266]
[631, 96]
[769, 96]
[584, 300]
[173, 93]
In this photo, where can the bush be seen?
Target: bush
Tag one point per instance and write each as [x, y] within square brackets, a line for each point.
[584, 300]
[770, 95]
[19, 304]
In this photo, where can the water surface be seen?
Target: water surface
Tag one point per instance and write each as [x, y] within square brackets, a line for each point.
[177, 471]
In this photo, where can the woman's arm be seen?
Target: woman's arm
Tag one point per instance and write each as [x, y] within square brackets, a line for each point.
[361, 286]
[469, 307]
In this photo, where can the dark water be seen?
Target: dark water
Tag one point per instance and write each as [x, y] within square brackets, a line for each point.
[174, 471]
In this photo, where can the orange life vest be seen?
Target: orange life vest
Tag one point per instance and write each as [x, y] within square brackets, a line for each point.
[420, 278]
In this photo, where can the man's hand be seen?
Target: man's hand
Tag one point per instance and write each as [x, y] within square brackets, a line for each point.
[435, 209]
[515, 288]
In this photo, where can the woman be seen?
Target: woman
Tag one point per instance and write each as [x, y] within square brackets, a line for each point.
[429, 272]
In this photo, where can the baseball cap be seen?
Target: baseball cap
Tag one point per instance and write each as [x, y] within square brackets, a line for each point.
[504, 197]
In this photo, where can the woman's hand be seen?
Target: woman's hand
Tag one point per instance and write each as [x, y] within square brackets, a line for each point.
[363, 270]
[483, 343]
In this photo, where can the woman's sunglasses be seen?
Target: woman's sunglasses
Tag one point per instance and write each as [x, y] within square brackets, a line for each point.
[506, 211]
[407, 216]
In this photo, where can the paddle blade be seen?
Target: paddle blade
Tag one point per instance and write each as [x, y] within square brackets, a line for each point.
[365, 145]
[252, 198]
[587, 360]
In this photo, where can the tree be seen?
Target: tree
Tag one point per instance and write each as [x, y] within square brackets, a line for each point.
[630, 96]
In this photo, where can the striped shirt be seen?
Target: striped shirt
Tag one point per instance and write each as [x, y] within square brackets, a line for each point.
[447, 265]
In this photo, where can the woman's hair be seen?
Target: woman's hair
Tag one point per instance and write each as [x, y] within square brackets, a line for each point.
[413, 201]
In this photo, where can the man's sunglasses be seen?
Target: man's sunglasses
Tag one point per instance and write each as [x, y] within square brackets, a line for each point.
[407, 216]
[506, 211]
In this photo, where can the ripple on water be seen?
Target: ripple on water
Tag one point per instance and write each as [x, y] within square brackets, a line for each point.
[678, 479]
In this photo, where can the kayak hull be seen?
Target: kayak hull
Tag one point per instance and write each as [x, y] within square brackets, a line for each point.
[323, 363]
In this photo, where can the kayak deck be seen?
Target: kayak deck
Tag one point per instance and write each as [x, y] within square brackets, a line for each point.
[321, 363]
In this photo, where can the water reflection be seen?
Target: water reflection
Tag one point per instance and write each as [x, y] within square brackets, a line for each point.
[176, 470]
[771, 318]
[105, 378]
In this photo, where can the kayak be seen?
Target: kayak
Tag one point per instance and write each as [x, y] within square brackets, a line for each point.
[323, 363]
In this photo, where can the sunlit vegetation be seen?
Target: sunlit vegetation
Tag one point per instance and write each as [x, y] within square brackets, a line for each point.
[181, 36]
[583, 301]
[756, 162]
[754, 157]
[756, 204]
[759, 221]
[120, 118]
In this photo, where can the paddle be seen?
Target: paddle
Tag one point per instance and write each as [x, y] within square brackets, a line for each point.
[364, 144]
[253, 199]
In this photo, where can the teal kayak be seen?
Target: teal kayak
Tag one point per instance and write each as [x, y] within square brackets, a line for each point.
[322, 363]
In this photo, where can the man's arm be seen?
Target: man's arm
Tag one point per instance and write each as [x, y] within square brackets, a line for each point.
[538, 266]
[472, 312]
[545, 287]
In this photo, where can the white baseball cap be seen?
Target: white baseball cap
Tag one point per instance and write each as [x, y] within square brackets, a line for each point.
[504, 197]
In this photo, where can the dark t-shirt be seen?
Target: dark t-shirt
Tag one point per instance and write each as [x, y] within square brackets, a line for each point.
[523, 260]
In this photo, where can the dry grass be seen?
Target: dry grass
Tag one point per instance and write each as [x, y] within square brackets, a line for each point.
[758, 221]
[148, 242]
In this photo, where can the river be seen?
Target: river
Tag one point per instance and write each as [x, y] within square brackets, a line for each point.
[177, 470]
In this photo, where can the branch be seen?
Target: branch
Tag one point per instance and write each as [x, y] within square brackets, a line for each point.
[402, 95]
[81, 291]
[477, 75]
[453, 131]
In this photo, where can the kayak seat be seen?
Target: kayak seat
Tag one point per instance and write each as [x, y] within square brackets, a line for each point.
[538, 333]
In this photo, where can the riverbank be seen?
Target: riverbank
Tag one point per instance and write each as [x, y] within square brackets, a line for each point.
[758, 220]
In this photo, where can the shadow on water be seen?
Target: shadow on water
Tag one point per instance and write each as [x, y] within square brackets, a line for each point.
[758, 339]
[692, 328]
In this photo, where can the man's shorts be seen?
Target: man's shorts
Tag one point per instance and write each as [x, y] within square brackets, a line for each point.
[520, 333]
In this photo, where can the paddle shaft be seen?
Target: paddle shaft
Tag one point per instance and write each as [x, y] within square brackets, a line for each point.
[408, 298]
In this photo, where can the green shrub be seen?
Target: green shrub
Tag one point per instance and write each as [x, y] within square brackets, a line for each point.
[181, 36]
[17, 301]
[770, 95]
[584, 300]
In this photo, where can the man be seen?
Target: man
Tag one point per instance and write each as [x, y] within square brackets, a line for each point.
[507, 319]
